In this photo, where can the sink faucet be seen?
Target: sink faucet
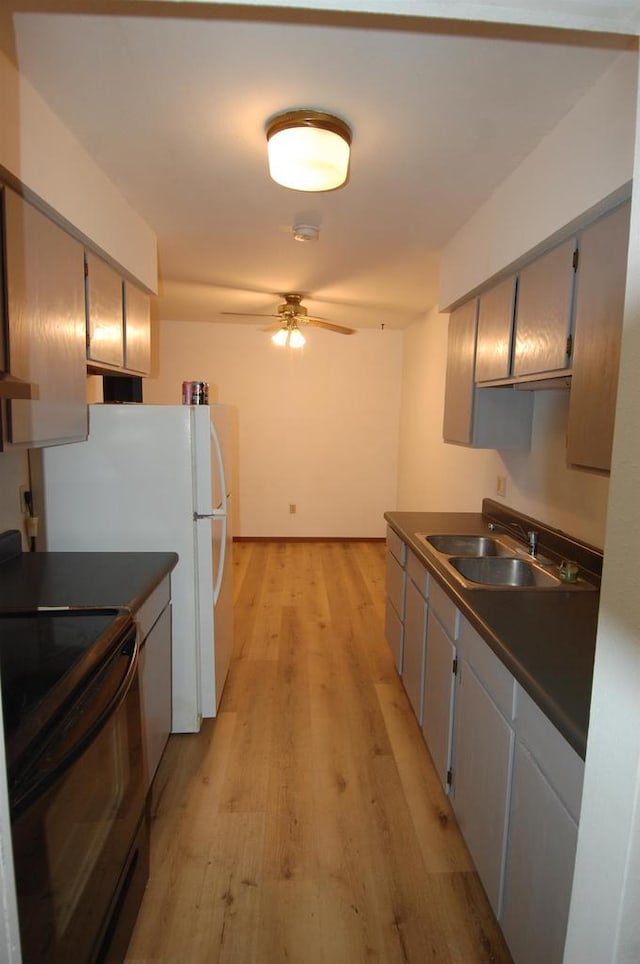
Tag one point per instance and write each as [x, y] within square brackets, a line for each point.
[530, 535]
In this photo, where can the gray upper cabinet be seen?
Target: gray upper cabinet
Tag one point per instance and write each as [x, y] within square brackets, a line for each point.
[105, 320]
[558, 323]
[459, 385]
[496, 418]
[543, 316]
[45, 326]
[137, 329]
[495, 331]
[598, 332]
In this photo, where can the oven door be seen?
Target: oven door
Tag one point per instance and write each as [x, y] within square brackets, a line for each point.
[76, 810]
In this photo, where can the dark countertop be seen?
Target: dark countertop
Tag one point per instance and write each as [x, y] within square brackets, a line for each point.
[92, 579]
[546, 638]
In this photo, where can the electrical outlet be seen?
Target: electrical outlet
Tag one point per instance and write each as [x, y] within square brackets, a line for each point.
[24, 508]
[501, 485]
[292, 508]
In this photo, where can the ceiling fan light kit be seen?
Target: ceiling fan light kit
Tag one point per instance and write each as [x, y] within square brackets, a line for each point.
[289, 336]
[308, 150]
[291, 314]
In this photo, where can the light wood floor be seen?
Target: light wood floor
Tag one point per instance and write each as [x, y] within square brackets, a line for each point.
[306, 824]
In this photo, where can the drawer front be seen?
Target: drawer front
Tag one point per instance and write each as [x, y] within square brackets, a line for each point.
[395, 582]
[445, 609]
[152, 607]
[491, 672]
[558, 760]
[394, 634]
[396, 546]
[418, 574]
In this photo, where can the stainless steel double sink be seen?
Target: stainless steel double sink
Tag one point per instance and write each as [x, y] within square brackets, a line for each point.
[496, 562]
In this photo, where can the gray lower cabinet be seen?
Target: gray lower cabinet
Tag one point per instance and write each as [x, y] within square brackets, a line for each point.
[415, 633]
[482, 758]
[515, 783]
[543, 834]
[439, 681]
[395, 577]
[154, 631]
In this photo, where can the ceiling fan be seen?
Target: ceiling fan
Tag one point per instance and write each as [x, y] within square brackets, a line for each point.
[291, 314]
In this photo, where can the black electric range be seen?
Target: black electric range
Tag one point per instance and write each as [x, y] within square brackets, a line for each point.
[46, 657]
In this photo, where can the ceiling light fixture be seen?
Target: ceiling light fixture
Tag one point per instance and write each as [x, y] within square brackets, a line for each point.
[289, 336]
[308, 150]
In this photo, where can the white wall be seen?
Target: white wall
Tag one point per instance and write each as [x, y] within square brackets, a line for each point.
[40, 151]
[604, 924]
[585, 158]
[318, 428]
[14, 472]
[439, 477]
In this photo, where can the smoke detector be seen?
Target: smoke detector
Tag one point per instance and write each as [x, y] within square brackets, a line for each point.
[306, 232]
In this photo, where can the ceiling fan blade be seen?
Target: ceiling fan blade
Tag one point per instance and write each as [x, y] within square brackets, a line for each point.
[251, 314]
[274, 327]
[329, 326]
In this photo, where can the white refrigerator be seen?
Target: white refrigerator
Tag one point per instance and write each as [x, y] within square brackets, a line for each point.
[157, 478]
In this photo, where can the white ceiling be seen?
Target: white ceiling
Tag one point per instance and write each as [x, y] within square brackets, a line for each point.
[171, 101]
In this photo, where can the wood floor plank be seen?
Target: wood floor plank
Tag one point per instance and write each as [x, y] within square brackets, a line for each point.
[443, 849]
[306, 824]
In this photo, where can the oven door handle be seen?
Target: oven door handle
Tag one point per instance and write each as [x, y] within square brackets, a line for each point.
[80, 727]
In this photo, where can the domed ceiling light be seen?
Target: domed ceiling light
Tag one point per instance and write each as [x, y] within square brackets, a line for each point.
[308, 150]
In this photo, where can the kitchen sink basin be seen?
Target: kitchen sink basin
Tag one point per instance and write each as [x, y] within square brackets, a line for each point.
[462, 545]
[505, 571]
[495, 562]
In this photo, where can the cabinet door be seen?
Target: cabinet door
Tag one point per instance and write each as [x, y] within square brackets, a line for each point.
[45, 326]
[543, 315]
[415, 638]
[481, 778]
[395, 603]
[105, 326]
[459, 386]
[600, 287]
[155, 677]
[495, 331]
[137, 329]
[395, 583]
[438, 697]
[495, 418]
[539, 870]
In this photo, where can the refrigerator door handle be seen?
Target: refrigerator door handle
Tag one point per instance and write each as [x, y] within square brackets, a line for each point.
[223, 482]
[223, 551]
[216, 514]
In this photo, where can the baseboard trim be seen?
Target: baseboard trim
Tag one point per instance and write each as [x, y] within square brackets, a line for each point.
[308, 539]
